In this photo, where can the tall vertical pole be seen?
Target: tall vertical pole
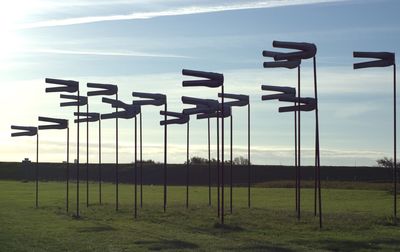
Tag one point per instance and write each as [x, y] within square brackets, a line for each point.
[218, 175]
[77, 161]
[100, 161]
[135, 166]
[248, 158]
[187, 164]
[222, 159]
[67, 175]
[296, 168]
[37, 172]
[231, 164]
[209, 164]
[317, 149]
[165, 158]
[116, 157]
[299, 147]
[394, 145]
[87, 155]
[141, 160]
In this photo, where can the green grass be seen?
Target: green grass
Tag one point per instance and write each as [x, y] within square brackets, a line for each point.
[353, 220]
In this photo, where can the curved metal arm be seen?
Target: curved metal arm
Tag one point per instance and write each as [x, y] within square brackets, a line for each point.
[306, 104]
[283, 91]
[202, 105]
[69, 86]
[26, 131]
[241, 100]
[181, 118]
[77, 100]
[213, 80]
[105, 89]
[289, 64]
[86, 117]
[154, 99]
[57, 123]
[306, 50]
[128, 110]
[383, 59]
[227, 113]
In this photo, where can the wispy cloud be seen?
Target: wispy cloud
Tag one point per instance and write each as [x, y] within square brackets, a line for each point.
[188, 10]
[106, 53]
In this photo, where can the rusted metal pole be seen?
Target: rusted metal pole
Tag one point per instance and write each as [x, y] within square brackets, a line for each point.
[141, 160]
[209, 164]
[165, 158]
[248, 158]
[77, 160]
[67, 175]
[135, 167]
[187, 164]
[116, 157]
[37, 172]
[317, 149]
[231, 165]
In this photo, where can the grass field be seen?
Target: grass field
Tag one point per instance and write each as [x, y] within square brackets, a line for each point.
[353, 220]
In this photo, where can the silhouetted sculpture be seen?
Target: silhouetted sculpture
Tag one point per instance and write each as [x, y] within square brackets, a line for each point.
[152, 99]
[212, 80]
[239, 101]
[58, 124]
[30, 131]
[384, 59]
[103, 90]
[292, 60]
[69, 86]
[128, 111]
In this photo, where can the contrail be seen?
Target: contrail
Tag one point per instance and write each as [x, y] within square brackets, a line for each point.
[97, 53]
[172, 12]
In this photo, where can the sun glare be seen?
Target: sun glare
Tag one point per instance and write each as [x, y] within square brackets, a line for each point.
[12, 13]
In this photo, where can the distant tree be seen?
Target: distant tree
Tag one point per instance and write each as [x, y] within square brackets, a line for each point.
[240, 160]
[148, 161]
[200, 160]
[385, 162]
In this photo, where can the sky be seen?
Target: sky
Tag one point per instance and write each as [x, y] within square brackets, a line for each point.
[142, 45]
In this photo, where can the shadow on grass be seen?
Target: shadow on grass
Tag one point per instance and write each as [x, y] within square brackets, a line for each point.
[103, 228]
[228, 228]
[167, 244]
[261, 247]
[347, 245]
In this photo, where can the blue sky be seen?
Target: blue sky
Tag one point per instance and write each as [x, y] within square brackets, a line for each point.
[143, 45]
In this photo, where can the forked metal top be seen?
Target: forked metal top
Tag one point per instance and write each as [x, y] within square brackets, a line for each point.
[128, 110]
[69, 86]
[25, 131]
[211, 80]
[383, 59]
[181, 118]
[57, 123]
[105, 89]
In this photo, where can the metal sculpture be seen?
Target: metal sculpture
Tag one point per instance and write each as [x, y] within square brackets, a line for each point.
[77, 101]
[202, 106]
[32, 131]
[103, 90]
[128, 111]
[211, 80]
[290, 60]
[68, 86]
[59, 124]
[180, 118]
[239, 101]
[86, 117]
[154, 100]
[289, 64]
[384, 59]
